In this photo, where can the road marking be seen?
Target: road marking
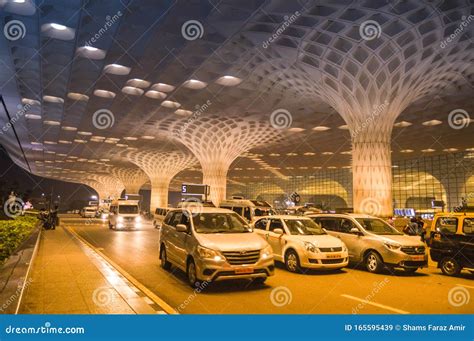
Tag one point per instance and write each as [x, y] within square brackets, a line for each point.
[467, 286]
[166, 307]
[399, 311]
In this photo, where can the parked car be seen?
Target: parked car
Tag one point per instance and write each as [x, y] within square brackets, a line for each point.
[159, 216]
[374, 243]
[452, 242]
[250, 210]
[301, 243]
[213, 244]
[89, 212]
[124, 214]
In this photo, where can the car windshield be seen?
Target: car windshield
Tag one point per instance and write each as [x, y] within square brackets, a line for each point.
[377, 226]
[128, 209]
[263, 212]
[219, 223]
[303, 227]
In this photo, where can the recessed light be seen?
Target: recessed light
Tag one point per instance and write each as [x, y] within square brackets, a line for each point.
[228, 81]
[296, 130]
[170, 104]
[91, 52]
[58, 27]
[344, 127]
[52, 123]
[130, 90]
[402, 124]
[104, 93]
[470, 149]
[429, 150]
[34, 143]
[58, 31]
[33, 116]
[130, 138]
[117, 69]
[274, 154]
[53, 99]
[321, 128]
[78, 97]
[68, 128]
[331, 167]
[80, 141]
[155, 94]
[309, 154]
[432, 123]
[194, 84]
[450, 150]
[84, 133]
[327, 153]
[28, 101]
[50, 142]
[148, 137]
[291, 154]
[183, 112]
[162, 87]
[64, 142]
[122, 145]
[138, 83]
[346, 152]
[406, 151]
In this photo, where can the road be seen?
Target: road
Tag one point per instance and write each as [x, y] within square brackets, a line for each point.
[344, 292]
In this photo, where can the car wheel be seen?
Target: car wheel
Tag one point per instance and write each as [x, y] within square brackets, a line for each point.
[191, 272]
[292, 262]
[164, 259]
[410, 270]
[373, 262]
[449, 266]
[259, 280]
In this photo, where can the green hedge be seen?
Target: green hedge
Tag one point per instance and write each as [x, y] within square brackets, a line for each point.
[13, 233]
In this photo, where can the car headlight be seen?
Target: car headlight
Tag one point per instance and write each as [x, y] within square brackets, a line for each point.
[344, 248]
[119, 218]
[392, 246]
[310, 247]
[204, 252]
[267, 252]
[138, 219]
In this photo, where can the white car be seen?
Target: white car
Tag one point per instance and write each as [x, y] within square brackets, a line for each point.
[301, 243]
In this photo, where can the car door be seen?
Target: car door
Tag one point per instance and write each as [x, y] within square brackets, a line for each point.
[172, 237]
[275, 240]
[467, 241]
[260, 227]
[181, 240]
[353, 241]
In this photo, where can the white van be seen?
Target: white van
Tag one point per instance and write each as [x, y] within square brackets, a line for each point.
[89, 212]
[124, 214]
[159, 216]
[249, 209]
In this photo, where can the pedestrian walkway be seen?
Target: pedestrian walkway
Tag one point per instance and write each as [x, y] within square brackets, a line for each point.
[68, 277]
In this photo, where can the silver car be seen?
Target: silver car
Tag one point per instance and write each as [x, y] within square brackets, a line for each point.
[374, 242]
[213, 244]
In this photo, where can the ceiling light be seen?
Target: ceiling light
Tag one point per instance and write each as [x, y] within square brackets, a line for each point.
[64, 142]
[91, 52]
[432, 123]
[162, 87]
[121, 145]
[228, 81]
[470, 149]
[58, 31]
[50, 142]
[194, 84]
[148, 137]
[183, 112]
[28, 101]
[321, 128]
[130, 138]
[344, 127]
[52, 123]
[347, 152]
[80, 141]
[274, 154]
[291, 154]
[53, 99]
[327, 153]
[450, 150]
[402, 124]
[116, 69]
[170, 104]
[130, 90]
[84, 133]
[138, 83]
[155, 94]
[68, 128]
[309, 154]
[331, 167]
[296, 130]
[104, 93]
[33, 116]
[58, 27]
[36, 143]
[78, 97]
[406, 151]
[429, 150]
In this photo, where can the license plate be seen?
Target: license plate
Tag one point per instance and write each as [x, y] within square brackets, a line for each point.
[244, 271]
[418, 257]
[337, 255]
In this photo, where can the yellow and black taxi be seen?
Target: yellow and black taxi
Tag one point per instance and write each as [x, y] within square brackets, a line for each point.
[452, 242]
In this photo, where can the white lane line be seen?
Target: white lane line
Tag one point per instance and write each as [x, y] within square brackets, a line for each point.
[398, 311]
[467, 286]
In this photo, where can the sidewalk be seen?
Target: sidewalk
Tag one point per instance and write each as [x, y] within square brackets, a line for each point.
[70, 278]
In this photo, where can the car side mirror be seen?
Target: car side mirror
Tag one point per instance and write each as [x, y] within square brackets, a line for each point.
[278, 231]
[181, 228]
[355, 230]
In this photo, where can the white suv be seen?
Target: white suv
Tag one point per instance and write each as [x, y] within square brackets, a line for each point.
[300, 243]
[213, 244]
